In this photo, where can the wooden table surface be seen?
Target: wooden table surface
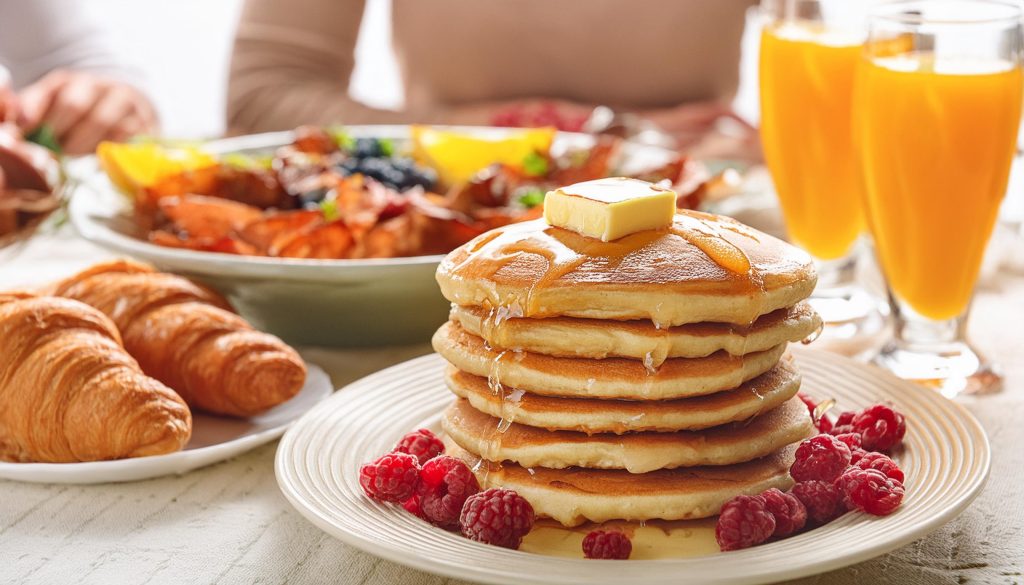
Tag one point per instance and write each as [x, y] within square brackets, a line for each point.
[229, 523]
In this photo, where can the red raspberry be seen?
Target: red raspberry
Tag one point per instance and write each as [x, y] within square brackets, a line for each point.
[870, 490]
[422, 444]
[744, 522]
[789, 512]
[843, 430]
[823, 423]
[881, 463]
[821, 498]
[496, 516]
[821, 457]
[412, 505]
[445, 483]
[607, 544]
[852, 440]
[845, 417]
[391, 478]
[881, 428]
[856, 455]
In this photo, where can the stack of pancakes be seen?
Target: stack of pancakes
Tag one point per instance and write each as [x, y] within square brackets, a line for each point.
[643, 378]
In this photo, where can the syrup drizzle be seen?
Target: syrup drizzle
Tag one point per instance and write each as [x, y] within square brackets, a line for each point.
[564, 252]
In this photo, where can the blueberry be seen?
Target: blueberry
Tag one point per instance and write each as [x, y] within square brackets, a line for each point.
[367, 147]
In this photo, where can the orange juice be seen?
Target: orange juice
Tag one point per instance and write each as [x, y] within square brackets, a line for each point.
[937, 138]
[806, 95]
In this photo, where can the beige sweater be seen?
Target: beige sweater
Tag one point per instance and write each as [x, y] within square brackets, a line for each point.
[293, 58]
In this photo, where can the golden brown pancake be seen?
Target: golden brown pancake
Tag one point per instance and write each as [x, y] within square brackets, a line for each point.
[592, 338]
[702, 268]
[587, 415]
[575, 495]
[608, 378]
[635, 452]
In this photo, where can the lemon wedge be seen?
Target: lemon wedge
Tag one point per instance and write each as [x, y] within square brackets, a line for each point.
[457, 156]
[132, 167]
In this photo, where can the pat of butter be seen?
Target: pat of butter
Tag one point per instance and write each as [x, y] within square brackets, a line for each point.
[610, 208]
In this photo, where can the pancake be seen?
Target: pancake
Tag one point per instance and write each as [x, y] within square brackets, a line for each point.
[702, 268]
[575, 495]
[591, 338]
[635, 452]
[756, 396]
[607, 378]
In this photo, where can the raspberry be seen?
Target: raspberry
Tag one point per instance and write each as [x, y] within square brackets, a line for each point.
[412, 506]
[881, 428]
[422, 444]
[839, 429]
[445, 483]
[822, 500]
[856, 455]
[852, 440]
[821, 457]
[606, 544]
[391, 478]
[845, 417]
[744, 522]
[883, 463]
[496, 516]
[789, 512]
[823, 422]
[870, 490]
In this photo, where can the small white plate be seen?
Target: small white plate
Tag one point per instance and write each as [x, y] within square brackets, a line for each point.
[946, 459]
[214, 439]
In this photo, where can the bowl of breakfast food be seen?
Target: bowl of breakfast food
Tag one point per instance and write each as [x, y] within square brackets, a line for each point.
[331, 236]
[616, 382]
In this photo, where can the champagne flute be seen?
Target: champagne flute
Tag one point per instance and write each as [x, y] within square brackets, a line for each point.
[808, 61]
[937, 108]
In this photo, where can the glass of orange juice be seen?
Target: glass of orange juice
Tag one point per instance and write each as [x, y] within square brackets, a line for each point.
[808, 61]
[937, 107]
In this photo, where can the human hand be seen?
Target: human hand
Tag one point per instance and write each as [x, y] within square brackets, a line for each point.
[8, 101]
[527, 113]
[707, 129]
[84, 109]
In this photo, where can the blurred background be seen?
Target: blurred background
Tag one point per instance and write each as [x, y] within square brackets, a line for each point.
[187, 75]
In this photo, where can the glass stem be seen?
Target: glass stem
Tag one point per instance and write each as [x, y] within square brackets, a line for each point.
[936, 353]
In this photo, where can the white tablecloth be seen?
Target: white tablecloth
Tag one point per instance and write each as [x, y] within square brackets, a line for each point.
[229, 523]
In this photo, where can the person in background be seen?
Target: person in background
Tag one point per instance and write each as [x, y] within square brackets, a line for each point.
[64, 76]
[670, 63]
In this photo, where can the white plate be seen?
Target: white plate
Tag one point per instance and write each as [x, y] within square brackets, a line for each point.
[214, 439]
[946, 459]
[346, 302]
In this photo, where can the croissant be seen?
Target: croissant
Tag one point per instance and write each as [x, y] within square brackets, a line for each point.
[69, 392]
[187, 337]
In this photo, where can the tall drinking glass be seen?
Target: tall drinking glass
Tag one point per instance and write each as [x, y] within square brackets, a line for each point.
[809, 55]
[937, 107]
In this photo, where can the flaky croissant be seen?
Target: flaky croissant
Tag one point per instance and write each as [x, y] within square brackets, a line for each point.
[185, 336]
[69, 392]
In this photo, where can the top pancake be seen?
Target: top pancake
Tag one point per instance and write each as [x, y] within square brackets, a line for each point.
[702, 268]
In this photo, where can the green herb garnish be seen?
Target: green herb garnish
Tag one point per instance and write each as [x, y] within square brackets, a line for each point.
[532, 197]
[341, 137]
[387, 147]
[535, 164]
[329, 207]
[44, 136]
